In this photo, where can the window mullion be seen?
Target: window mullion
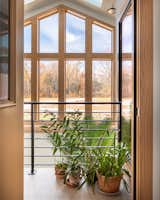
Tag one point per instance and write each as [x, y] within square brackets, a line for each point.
[88, 68]
[61, 68]
[34, 68]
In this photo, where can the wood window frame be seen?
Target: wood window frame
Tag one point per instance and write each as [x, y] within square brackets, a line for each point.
[143, 153]
[144, 100]
[62, 55]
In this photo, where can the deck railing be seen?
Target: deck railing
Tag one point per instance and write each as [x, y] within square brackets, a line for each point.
[38, 150]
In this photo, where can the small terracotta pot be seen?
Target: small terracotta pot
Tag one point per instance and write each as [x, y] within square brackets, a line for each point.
[73, 181]
[59, 172]
[109, 185]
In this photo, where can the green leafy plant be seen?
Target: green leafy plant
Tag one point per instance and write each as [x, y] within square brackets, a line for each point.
[55, 129]
[77, 139]
[110, 163]
[90, 159]
[74, 172]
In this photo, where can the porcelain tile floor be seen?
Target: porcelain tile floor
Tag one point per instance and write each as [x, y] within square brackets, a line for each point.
[44, 186]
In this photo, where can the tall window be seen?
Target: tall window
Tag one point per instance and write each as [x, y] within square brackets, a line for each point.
[73, 58]
[127, 74]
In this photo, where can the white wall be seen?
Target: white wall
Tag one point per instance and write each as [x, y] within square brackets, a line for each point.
[156, 107]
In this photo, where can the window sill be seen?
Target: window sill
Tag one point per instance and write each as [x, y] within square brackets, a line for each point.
[7, 104]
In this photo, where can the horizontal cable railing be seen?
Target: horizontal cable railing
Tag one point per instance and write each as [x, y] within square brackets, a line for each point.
[38, 149]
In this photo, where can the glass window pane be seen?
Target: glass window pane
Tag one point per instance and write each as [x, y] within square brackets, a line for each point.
[75, 34]
[4, 50]
[27, 80]
[127, 34]
[101, 80]
[97, 3]
[49, 34]
[127, 100]
[28, 39]
[127, 86]
[102, 39]
[75, 84]
[4, 81]
[27, 88]
[48, 85]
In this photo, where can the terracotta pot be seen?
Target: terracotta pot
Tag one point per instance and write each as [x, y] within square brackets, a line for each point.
[59, 172]
[73, 181]
[109, 185]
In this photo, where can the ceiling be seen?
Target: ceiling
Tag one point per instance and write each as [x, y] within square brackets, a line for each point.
[106, 4]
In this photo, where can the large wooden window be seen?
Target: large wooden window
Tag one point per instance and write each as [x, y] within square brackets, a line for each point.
[72, 58]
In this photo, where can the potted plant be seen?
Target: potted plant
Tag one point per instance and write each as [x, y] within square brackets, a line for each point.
[110, 169]
[89, 158]
[55, 130]
[74, 173]
[66, 137]
[60, 170]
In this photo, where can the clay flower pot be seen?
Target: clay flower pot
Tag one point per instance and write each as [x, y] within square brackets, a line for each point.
[60, 172]
[73, 181]
[109, 185]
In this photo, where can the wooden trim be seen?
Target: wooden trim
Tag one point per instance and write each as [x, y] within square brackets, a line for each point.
[114, 77]
[61, 69]
[16, 94]
[127, 56]
[105, 56]
[88, 67]
[144, 140]
[47, 14]
[27, 22]
[34, 68]
[47, 56]
[76, 14]
[28, 55]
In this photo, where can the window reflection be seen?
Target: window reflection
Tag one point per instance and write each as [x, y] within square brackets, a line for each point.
[127, 34]
[4, 49]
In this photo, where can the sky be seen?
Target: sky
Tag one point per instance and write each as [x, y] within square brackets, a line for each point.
[95, 2]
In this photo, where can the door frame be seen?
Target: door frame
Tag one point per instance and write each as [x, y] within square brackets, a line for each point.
[144, 99]
[143, 87]
[144, 96]
[131, 57]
